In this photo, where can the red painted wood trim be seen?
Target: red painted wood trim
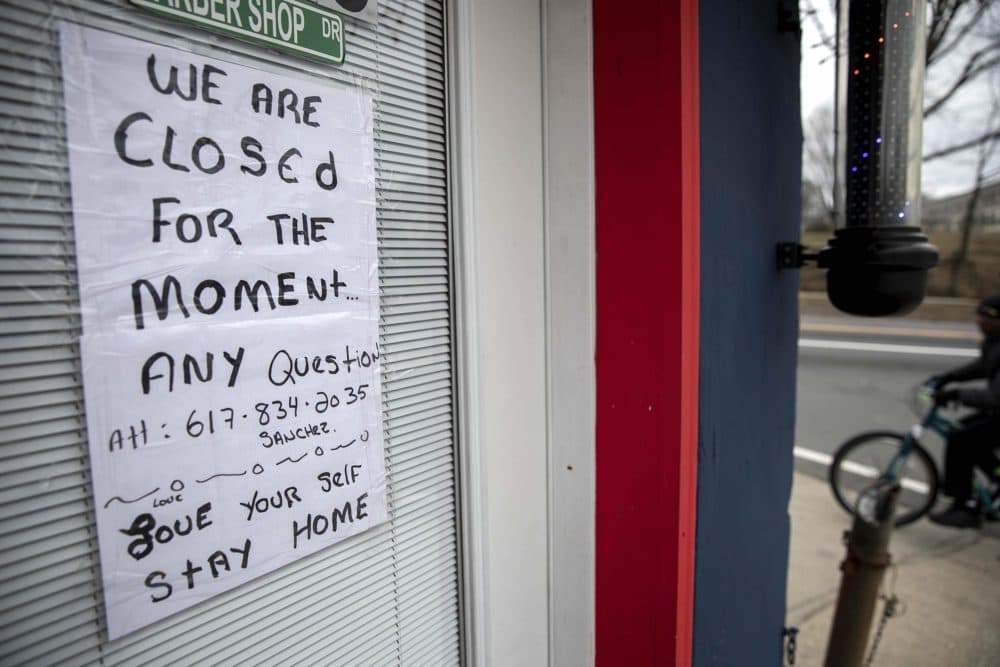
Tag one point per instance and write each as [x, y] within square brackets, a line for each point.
[690, 335]
[646, 143]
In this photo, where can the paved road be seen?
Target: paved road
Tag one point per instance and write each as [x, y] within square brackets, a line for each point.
[856, 375]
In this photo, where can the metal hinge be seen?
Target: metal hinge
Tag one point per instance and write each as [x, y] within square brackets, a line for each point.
[790, 636]
[794, 256]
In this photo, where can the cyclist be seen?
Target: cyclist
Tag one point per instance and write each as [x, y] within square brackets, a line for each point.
[973, 444]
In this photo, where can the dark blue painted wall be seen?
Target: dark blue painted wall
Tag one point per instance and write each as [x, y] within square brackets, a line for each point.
[750, 172]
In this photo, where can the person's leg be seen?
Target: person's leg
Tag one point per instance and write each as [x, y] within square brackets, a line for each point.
[969, 446]
[959, 458]
[987, 459]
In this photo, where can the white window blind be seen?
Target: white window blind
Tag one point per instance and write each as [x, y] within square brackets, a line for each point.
[388, 596]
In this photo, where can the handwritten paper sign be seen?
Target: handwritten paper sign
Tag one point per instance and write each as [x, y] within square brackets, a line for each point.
[227, 257]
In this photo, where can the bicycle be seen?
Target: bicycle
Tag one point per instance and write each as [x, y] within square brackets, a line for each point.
[889, 456]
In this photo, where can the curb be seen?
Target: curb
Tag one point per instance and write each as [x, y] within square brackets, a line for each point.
[933, 309]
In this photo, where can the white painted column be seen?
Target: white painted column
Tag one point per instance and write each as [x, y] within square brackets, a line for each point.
[500, 290]
[523, 194]
[570, 256]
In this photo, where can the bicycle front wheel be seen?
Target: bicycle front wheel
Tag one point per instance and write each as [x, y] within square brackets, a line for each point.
[864, 458]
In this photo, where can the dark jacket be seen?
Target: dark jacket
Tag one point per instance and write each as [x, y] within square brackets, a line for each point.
[987, 367]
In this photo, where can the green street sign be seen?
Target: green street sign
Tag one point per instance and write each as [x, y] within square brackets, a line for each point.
[295, 26]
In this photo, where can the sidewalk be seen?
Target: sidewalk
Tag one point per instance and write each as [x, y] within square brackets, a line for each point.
[947, 580]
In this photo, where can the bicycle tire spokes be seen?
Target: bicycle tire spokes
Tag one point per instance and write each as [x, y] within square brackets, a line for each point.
[896, 458]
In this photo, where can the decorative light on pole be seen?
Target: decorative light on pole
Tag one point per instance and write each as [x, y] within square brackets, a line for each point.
[878, 261]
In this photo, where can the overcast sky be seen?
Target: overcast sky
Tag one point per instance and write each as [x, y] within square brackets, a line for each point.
[967, 113]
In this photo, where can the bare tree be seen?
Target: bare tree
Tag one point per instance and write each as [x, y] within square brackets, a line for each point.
[827, 40]
[952, 25]
[818, 169]
[963, 46]
[986, 149]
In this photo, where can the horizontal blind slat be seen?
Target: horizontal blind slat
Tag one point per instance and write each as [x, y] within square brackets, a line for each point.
[43, 447]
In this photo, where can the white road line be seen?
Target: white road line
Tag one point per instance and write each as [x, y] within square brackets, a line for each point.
[813, 456]
[814, 343]
[853, 468]
[882, 330]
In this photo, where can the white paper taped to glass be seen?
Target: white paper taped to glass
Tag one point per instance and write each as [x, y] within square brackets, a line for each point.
[227, 257]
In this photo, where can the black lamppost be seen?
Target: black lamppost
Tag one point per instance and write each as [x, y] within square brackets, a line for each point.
[878, 261]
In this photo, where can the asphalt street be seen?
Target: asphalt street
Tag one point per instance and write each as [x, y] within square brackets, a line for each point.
[857, 374]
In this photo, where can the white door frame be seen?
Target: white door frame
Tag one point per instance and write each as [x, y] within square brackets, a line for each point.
[522, 196]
